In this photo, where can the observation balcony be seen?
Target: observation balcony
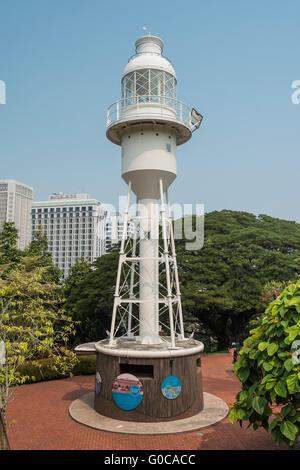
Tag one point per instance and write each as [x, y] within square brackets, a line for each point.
[153, 109]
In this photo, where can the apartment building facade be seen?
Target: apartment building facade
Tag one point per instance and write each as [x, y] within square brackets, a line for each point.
[15, 206]
[74, 225]
[114, 225]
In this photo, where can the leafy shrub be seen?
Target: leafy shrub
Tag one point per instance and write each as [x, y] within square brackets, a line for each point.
[42, 370]
[269, 370]
[85, 366]
[273, 289]
[204, 334]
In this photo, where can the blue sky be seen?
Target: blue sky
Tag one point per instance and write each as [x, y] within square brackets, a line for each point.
[62, 62]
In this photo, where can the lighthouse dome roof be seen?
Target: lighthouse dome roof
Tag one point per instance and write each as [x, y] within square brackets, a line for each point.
[149, 56]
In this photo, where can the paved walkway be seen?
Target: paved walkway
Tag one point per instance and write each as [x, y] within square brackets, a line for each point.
[43, 420]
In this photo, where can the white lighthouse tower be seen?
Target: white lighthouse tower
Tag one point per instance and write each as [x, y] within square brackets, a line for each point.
[160, 374]
[148, 123]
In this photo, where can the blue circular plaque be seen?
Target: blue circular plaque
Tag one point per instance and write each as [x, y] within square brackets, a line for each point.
[171, 387]
[127, 392]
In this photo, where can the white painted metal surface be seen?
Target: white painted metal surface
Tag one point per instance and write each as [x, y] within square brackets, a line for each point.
[149, 54]
[161, 352]
[148, 122]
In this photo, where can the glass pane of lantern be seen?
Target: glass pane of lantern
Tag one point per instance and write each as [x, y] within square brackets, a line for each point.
[170, 89]
[156, 85]
[142, 85]
[129, 88]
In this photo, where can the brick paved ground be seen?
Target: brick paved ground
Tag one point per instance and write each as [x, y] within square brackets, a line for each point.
[43, 421]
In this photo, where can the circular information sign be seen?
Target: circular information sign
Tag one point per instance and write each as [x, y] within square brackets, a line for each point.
[98, 383]
[127, 392]
[171, 387]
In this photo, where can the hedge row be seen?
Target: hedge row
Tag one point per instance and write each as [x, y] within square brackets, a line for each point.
[86, 366]
[38, 373]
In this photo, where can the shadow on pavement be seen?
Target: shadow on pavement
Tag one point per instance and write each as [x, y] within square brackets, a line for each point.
[82, 389]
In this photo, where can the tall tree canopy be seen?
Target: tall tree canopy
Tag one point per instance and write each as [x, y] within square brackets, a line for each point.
[89, 297]
[221, 283]
[38, 251]
[9, 253]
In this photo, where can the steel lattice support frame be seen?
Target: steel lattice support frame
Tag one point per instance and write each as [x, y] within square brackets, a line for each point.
[129, 278]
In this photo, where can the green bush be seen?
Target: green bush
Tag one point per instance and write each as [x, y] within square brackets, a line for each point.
[269, 370]
[85, 366]
[42, 370]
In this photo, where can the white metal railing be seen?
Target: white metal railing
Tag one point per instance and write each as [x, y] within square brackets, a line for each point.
[117, 110]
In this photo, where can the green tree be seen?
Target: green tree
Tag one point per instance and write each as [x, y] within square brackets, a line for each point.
[40, 255]
[90, 298]
[269, 370]
[222, 283]
[30, 327]
[9, 253]
[77, 274]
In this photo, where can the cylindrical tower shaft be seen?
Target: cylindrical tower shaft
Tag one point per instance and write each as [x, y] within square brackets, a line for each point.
[148, 157]
[149, 292]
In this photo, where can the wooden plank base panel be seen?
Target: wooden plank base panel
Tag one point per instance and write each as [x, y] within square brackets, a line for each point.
[151, 372]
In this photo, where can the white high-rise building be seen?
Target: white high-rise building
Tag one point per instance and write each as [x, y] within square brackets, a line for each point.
[15, 206]
[114, 230]
[74, 225]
